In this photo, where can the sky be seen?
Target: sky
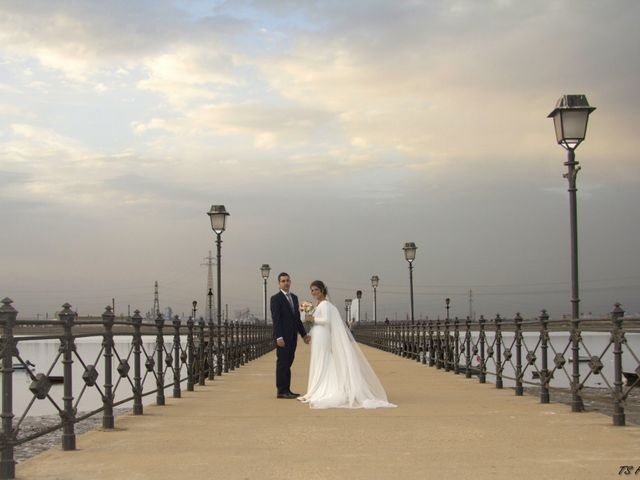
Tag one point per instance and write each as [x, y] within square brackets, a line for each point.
[333, 132]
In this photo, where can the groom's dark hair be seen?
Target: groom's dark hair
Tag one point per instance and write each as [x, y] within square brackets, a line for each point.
[283, 274]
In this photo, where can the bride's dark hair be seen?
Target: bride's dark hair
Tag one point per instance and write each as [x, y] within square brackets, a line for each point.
[320, 286]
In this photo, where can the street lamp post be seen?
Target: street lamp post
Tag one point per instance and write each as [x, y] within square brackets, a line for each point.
[210, 348]
[264, 270]
[195, 308]
[570, 118]
[210, 303]
[447, 301]
[218, 216]
[410, 255]
[347, 307]
[359, 297]
[375, 280]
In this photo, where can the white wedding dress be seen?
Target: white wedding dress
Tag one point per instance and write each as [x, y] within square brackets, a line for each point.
[339, 374]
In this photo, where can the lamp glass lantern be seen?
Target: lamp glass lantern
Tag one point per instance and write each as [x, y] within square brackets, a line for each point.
[264, 270]
[375, 280]
[410, 251]
[570, 118]
[218, 215]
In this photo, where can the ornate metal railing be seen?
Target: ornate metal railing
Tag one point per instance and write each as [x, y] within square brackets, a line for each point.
[509, 349]
[196, 351]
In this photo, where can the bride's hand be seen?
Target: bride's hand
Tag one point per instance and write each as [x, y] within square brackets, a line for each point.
[308, 318]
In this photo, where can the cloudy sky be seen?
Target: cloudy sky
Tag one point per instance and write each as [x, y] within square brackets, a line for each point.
[333, 132]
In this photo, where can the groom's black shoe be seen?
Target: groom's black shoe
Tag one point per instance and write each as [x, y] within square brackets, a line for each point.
[287, 395]
[296, 395]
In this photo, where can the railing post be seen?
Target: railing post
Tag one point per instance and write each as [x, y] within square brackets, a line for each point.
[432, 349]
[243, 344]
[239, 361]
[576, 336]
[499, 368]
[176, 357]
[467, 343]
[618, 339]
[8, 316]
[415, 345]
[238, 344]
[226, 346]
[393, 339]
[160, 363]
[372, 332]
[190, 346]
[232, 346]
[423, 342]
[387, 338]
[518, 322]
[210, 352]
[247, 342]
[406, 339]
[252, 341]
[447, 347]
[482, 376]
[544, 347]
[456, 338]
[137, 350]
[107, 343]
[201, 352]
[438, 345]
[67, 346]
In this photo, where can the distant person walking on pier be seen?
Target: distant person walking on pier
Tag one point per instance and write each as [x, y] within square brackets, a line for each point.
[286, 326]
[339, 374]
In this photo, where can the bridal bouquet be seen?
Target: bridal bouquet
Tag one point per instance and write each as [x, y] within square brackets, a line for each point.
[306, 308]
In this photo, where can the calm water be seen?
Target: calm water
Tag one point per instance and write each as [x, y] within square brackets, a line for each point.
[42, 353]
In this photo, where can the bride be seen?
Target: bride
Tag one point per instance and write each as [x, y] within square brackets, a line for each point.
[339, 374]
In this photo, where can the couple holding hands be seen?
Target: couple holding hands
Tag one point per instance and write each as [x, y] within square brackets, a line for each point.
[339, 374]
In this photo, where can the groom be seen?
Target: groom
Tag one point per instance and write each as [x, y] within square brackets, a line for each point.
[286, 325]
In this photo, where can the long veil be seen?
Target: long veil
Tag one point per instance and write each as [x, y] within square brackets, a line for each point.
[362, 386]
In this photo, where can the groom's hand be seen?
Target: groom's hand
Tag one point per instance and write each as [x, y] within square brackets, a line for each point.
[307, 339]
[280, 342]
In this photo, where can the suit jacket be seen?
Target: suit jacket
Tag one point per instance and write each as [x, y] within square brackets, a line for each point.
[286, 322]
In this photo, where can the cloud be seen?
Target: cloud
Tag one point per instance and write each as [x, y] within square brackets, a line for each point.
[268, 125]
[17, 111]
[189, 73]
[451, 81]
[51, 168]
[80, 39]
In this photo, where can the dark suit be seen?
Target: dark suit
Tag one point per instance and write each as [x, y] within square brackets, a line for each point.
[286, 324]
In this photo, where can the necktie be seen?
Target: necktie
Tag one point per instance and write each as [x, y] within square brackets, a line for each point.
[288, 295]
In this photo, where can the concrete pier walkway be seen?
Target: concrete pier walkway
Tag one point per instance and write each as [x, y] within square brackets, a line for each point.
[445, 427]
